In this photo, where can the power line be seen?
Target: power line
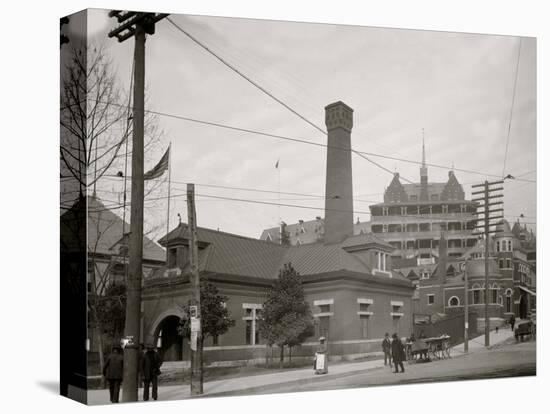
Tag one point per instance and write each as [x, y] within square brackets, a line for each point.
[234, 69]
[303, 141]
[511, 109]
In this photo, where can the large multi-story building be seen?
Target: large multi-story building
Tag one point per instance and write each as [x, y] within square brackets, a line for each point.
[412, 216]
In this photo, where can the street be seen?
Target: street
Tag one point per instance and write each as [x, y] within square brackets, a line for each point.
[502, 361]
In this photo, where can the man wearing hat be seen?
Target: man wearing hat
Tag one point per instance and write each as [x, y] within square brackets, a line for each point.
[386, 348]
[398, 353]
[112, 371]
[150, 370]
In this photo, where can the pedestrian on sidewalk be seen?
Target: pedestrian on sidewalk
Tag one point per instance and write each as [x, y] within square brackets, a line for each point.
[386, 348]
[321, 357]
[112, 371]
[398, 353]
[150, 371]
[512, 322]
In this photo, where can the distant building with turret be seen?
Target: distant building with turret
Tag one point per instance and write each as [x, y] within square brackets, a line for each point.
[413, 215]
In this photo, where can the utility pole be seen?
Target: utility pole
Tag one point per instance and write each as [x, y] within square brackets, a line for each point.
[488, 195]
[466, 316]
[195, 302]
[135, 25]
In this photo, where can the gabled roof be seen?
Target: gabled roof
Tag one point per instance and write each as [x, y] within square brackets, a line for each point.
[366, 240]
[105, 232]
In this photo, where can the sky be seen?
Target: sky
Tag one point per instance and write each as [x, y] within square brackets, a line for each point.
[457, 88]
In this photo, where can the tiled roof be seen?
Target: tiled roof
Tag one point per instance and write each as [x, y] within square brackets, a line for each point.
[105, 232]
[232, 254]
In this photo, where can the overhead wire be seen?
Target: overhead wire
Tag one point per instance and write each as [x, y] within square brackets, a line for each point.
[511, 109]
[269, 94]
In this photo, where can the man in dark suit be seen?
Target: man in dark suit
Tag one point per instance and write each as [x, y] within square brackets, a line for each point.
[386, 348]
[398, 353]
[150, 370]
[112, 371]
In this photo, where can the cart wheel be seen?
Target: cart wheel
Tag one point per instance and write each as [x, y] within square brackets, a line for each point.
[447, 349]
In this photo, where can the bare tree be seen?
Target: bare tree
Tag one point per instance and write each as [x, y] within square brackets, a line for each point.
[96, 119]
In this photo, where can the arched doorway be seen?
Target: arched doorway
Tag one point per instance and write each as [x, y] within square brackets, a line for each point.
[169, 342]
[523, 306]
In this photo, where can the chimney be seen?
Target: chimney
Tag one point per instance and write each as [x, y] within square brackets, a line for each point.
[339, 189]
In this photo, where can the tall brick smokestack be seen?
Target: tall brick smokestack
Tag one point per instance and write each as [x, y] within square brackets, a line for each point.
[339, 185]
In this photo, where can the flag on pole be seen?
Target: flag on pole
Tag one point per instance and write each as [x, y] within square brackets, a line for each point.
[158, 169]
[277, 164]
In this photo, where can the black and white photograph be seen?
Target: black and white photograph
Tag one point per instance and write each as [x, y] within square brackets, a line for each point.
[274, 207]
[259, 206]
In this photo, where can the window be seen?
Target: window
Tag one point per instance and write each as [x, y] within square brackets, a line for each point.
[215, 341]
[434, 197]
[509, 245]
[498, 246]
[501, 263]
[380, 261]
[445, 208]
[431, 299]
[385, 211]
[425, 274]
[508, 263]
[323, 326]
[494, 295]
[251, 316]
[364, 320]
[414, 198]
[476, 289]
[454, 301]
[508, 307]
[324, 308]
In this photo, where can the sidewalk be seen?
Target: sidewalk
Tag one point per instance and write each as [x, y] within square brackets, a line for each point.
[262, 382]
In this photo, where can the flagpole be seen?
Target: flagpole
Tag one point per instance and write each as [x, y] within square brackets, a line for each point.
[168, 208]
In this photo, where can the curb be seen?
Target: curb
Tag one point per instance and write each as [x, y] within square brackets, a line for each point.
[266, 389]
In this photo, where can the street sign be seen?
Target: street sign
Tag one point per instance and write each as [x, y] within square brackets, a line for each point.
[193, 311]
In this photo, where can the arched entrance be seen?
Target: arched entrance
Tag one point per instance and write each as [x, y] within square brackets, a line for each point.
[169, 342]
[523, 306]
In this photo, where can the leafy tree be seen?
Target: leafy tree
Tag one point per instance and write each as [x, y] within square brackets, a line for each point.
[286, 316]
[215, 317]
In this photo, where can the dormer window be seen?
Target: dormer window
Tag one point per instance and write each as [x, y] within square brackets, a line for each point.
[380, 261]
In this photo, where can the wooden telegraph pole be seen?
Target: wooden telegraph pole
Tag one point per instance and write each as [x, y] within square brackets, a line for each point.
[133, 24]
[195, 302]
[466, 316]
[484, 209]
